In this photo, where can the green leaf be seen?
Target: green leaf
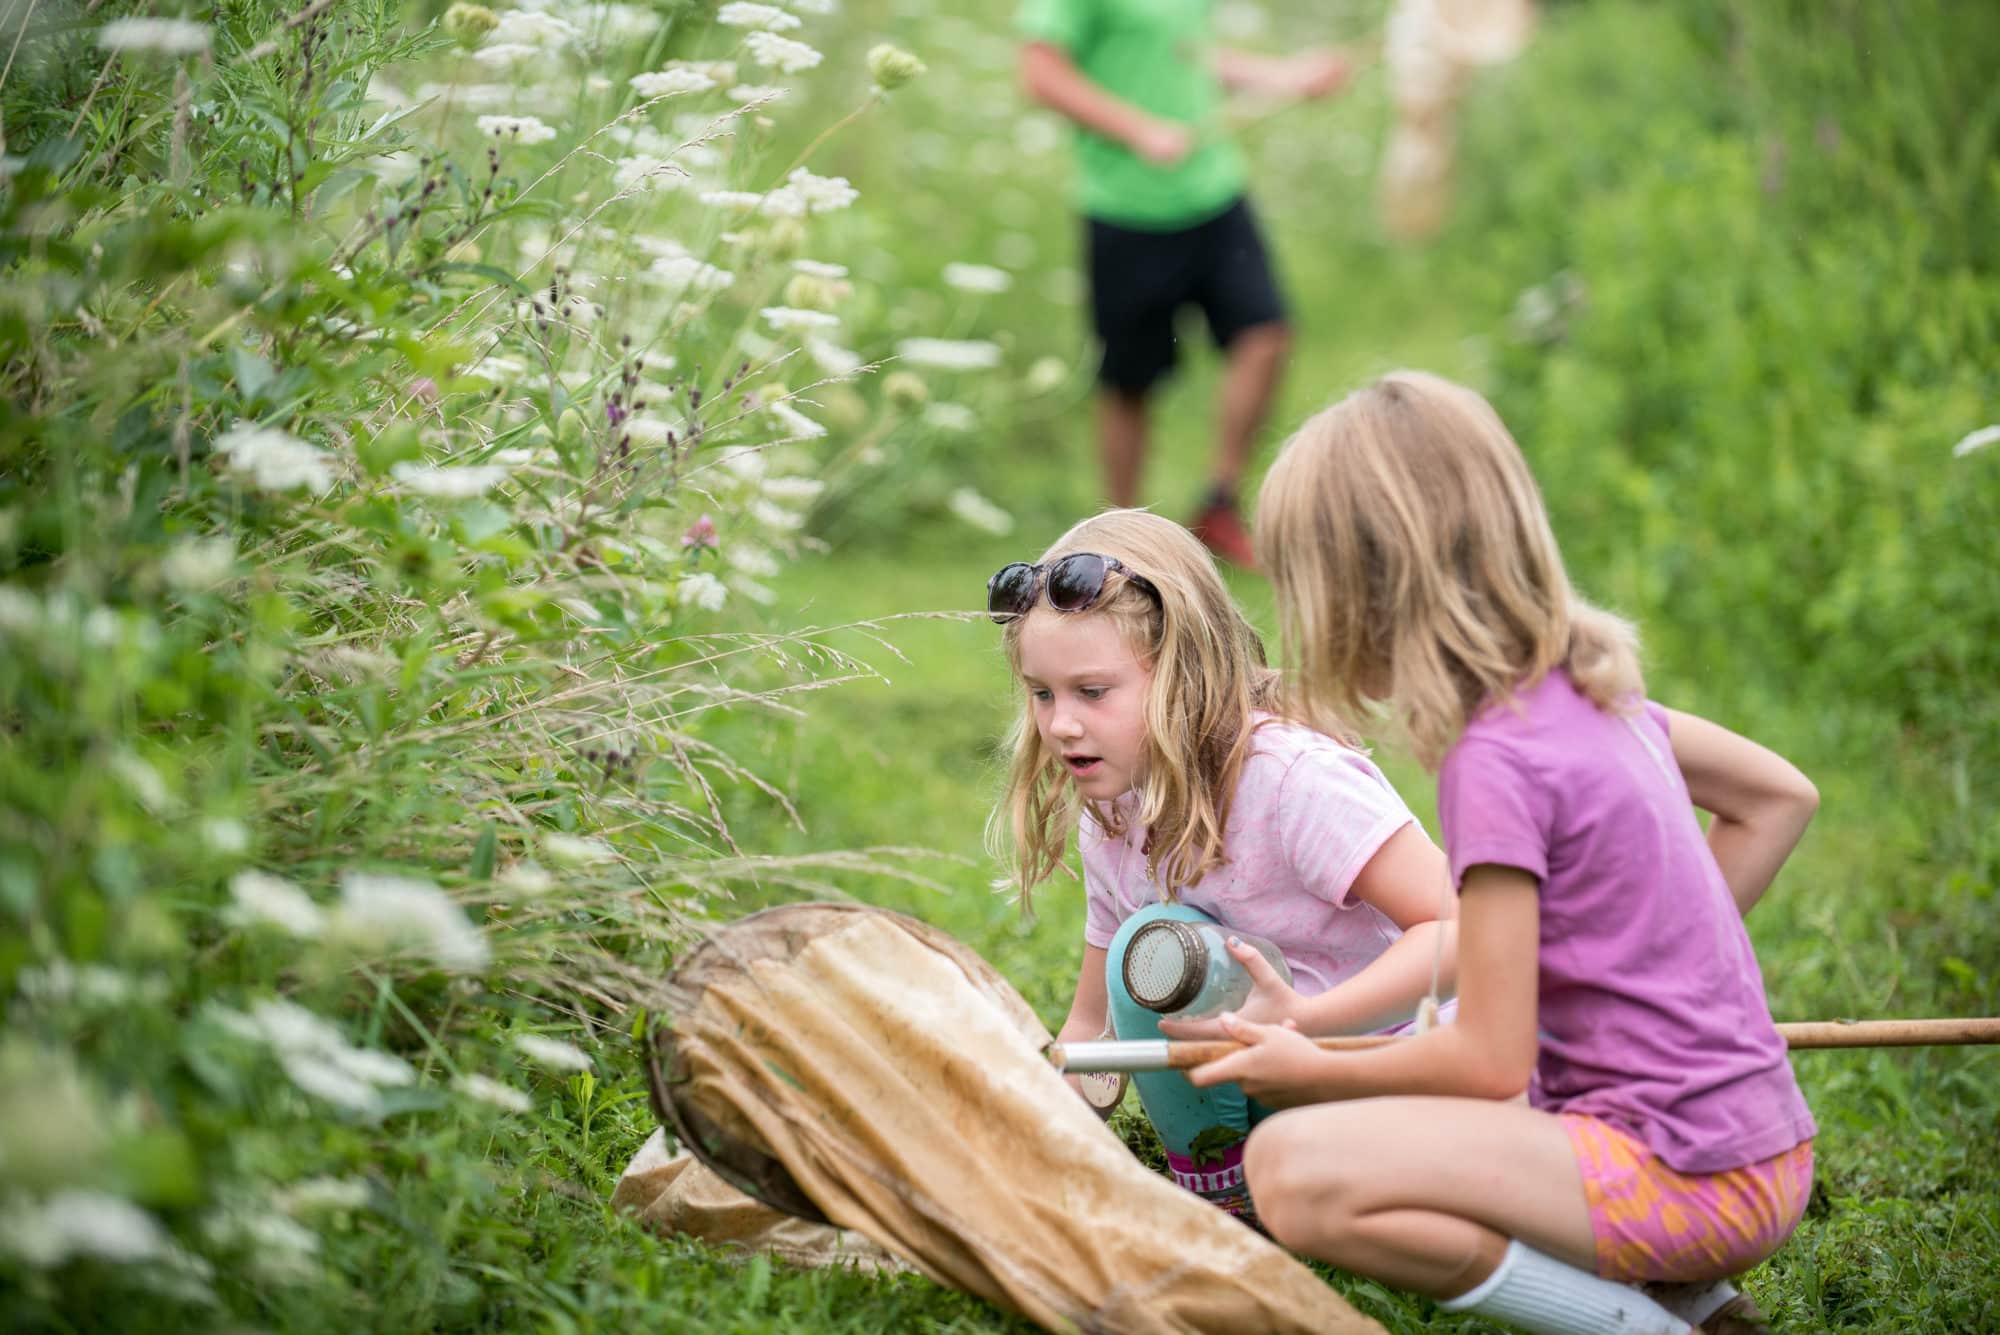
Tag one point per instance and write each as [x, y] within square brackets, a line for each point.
[397, 443]
[484, 852]
[252, 372]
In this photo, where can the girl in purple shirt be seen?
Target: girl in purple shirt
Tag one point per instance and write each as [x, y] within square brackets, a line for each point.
[1603, 964]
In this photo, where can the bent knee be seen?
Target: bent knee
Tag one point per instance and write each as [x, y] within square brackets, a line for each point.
[1297, 1187]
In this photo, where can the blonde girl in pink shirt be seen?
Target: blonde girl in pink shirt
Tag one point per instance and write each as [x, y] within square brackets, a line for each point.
[1149, 729]
[1603, 963]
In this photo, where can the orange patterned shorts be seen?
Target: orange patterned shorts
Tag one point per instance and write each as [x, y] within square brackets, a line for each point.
[1652, 1223]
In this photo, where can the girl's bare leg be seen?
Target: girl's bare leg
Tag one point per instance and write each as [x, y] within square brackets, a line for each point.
[1420, 1193]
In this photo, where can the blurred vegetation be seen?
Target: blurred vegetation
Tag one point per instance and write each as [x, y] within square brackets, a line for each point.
[1727, 269]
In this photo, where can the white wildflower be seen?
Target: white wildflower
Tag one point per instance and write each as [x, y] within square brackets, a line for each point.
[790, 318]
[815, 6]
[745, 461]
[573, 850]
[668, 82]
[279, 1248]
[506, 55]
[20, 613]
[513, 458]
[951, 417]
[70, 1224]
[1046, 374]
[446, 482]
[950, 354]
[290, 1027]
[776, 517]
[276, 460]
[377, 1068]
[523, 129]
[407, 911]
[323, 1195]
[198, 564]
[795, 490]
[820, 269]
[977, 278]
[91, 986]
[832, 358]
[168, 37]
[527, 879]
[552, 1053]
[645, 430]
[797, 425]
[465, 97]
[972, 508]
[225, 835]
[487, 1090]
[703, 591]
[1977, 440]
[316, 1075]
[818, 194]
[143, 781]
[751, 559]
[677, 272]
[758, 92]
[743, 14]
[781, 53]
[262, 898]
[533, 28]
[732, 201]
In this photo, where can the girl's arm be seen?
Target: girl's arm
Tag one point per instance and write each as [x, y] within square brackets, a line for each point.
[1760, 801]
[1488, 1052]
[1050, 77]
[1087, 1010]
[1313, 73]
[1409, 881]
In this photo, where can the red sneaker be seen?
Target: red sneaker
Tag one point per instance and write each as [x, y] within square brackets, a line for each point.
[1221, 530]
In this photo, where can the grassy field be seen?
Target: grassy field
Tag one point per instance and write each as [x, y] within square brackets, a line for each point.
[1727, 269]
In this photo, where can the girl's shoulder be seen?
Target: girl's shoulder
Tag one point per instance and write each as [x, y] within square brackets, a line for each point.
[1283, 753]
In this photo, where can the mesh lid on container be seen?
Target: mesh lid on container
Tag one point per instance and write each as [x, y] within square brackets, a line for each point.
[1165, 962]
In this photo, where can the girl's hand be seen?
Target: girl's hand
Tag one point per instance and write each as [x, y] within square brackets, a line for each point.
[1271, 999]
[1276, 1067]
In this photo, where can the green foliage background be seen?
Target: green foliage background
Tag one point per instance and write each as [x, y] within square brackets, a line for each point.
[1727, 269]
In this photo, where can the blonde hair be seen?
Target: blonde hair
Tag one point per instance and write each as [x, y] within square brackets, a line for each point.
[1209, 674]
[1415, 566]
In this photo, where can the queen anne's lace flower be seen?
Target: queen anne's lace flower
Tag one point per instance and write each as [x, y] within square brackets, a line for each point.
[977, 278]
[781, 53]
[407, 911]
[743, 14]
[702, 590]
[972, 508]
[791, 318]
[488, 1090]
[275, 460]
[947, 354]
[272, 900]
[664, 83]
[523, 129]
[797, 425]
[552, 1053]
[446, 482]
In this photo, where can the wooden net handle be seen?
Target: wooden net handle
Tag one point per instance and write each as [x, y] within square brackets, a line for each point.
[1815, 1034]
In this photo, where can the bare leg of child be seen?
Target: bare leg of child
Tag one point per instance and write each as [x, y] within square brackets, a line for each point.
[1249, 382]
[1121, 435]
[1475, 1203]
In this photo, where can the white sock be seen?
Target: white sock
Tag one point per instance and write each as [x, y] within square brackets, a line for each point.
[1539, 1293]
[1692, 1303]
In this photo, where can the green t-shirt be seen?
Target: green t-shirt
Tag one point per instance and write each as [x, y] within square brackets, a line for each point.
[1151, 53]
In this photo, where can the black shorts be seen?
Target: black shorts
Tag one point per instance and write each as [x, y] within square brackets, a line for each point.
[1139, 282]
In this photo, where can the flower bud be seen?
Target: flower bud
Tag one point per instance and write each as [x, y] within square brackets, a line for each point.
[891, 66]
[468, 24]
[905, 390]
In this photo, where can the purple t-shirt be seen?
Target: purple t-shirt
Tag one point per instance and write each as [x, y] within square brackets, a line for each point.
[1307, 815]
[1652, 1009]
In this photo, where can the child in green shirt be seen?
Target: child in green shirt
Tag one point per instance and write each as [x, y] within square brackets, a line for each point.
[1168, 223]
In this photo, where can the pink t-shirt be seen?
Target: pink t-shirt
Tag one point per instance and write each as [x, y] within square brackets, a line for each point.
[1308, 814]
[1651, 1005]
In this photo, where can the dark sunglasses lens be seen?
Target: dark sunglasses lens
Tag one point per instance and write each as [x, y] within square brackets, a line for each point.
[1075, 582]
[1011, 592]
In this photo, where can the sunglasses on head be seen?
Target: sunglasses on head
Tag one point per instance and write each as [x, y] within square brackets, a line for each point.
[1073, 583]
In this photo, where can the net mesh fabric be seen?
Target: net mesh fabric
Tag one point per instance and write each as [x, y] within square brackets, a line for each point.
[901, 1089]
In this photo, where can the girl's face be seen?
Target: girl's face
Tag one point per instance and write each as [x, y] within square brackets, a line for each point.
[1088, 691]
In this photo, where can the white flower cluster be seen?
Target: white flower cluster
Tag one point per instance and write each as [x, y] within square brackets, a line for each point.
[972, 508]
[275, 460]
[783, 54]
[488, 1090]
[702, 591]
[743, 14]
[790, 319]
[74, 1224]
[1976, 440]
[522, 129]
[670, 81]
[404, 911]
[950, 354]
[316, 1056]
[552, 1053]
[982, 278]
[449, 482]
